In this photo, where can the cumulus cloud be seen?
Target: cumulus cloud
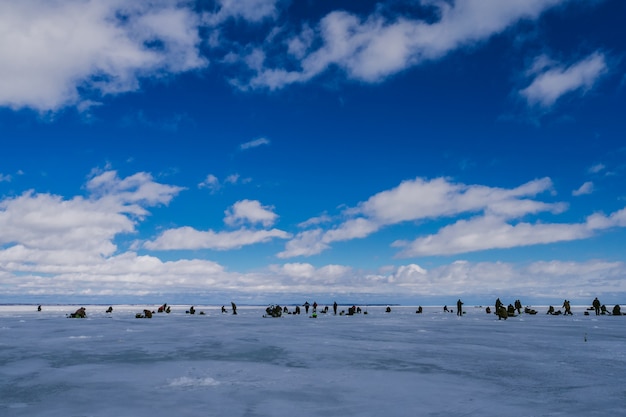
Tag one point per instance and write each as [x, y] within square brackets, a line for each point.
[190, 238]
[68, 52]
[552, 81]
[250, 211]
[376, 47]
[39, 227]
[586, 188]
[493, 232]
[422, 200]
[489, 232]
[241, 214]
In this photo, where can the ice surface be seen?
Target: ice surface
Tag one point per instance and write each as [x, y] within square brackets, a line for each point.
[379, 364]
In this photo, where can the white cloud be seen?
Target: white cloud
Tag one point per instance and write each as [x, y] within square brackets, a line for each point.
[597, 168]
[493, 232]
[190, 238]
[249, 10]
[489, 232]
[254, 144]
[61, 53]
[374, 48]
[305, 243]
[43, 227]
[556, 81]
[211, 182]
[419, 200]
[250, 211]
[5, 178]
[586, 188]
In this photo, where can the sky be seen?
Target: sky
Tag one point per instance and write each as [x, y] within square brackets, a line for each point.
[405, 151]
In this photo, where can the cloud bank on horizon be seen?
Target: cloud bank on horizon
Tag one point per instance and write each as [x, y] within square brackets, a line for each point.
[426, 232]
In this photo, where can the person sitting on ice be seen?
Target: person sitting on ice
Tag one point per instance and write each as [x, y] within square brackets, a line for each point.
[550, 310]
[445, 309]
[224, 310]
[419, 310]
[603, 310]
[488, 310]
[528, 310]
[81, 313]
[191, 310]
[502, 313]
[388, 309]
[110, 309]
[617, 311]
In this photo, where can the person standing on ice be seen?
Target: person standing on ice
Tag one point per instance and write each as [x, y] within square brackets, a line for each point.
[234, 306]
[335, 308]
[306, 307]
[567, 307]
[459, 308]
[596, 306]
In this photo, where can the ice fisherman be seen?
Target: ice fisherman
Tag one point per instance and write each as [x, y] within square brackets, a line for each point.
[596, 305]
[459, 307]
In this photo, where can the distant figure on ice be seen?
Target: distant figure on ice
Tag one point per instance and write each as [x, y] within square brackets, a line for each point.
[388, 309]
[529, 310]
[297, 310]
[314, 306]
[306, 307]
[550, 310]
[191, 310]
[110, 309]
[567, 307]
[459, 308]
[603, 310]
[488, 310]
[617, 310]
[39, 308]
[445, 309]
[224, 310]
[419, 310]
[335, 308]
[498, 304]
[162, 308]
[596, 305]
[518, 306]
[234, 306]
[511, 310]
[502, 313]
[81, 313]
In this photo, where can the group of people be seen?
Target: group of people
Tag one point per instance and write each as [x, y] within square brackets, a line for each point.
[601, 309]
[502, 311]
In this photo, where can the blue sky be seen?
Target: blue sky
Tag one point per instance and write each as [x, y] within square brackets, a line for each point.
[274, 151]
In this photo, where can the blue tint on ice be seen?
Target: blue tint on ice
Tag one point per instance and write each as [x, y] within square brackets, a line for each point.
[396, 364]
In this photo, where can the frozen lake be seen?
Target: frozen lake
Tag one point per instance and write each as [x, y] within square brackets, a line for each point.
[379, 364]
